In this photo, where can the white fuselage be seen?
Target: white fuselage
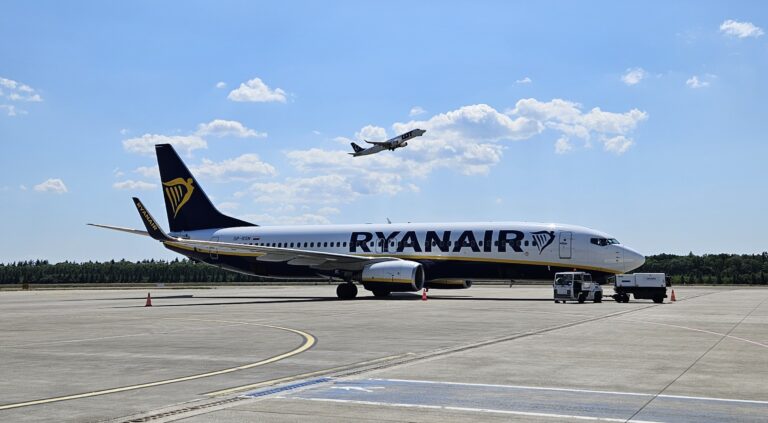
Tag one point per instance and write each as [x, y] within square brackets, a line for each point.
[478, 246]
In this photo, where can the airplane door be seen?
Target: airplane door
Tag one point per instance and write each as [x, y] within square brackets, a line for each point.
[565, 245]
[214, 253]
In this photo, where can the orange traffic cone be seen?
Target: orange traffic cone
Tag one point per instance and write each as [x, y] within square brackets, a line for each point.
[673, 296]
[424, 294]
[149, 301]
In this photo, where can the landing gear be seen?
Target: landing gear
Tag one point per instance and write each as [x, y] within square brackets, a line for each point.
[346, 291]
[380, 293]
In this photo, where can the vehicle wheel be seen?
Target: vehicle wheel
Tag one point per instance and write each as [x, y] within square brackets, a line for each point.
[598, 297]
[380, 293]
[625, 299]
[346, 291]
[658, 300]
[557, 302]
[582, 297]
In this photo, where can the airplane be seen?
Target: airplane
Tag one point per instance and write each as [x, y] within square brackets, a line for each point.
[390, 144]
[383, 258]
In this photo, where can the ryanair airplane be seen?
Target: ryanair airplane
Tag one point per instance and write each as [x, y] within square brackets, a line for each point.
[382, 258]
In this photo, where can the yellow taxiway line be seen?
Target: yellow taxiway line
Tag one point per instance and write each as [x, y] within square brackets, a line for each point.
[309, 341]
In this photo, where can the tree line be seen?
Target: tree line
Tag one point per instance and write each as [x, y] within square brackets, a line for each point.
[684, 269]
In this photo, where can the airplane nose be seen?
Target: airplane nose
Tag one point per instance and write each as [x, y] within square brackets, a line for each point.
[632, 259]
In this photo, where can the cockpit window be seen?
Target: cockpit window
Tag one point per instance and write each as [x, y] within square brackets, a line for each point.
[602, 242]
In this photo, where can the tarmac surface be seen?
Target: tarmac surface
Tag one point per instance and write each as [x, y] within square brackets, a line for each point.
[295, 353]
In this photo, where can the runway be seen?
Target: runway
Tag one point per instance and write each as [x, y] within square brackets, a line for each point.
[289, 353]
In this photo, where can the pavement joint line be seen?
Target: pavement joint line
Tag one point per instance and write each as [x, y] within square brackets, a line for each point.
[719, 341]
[309, 341]
[759, 344]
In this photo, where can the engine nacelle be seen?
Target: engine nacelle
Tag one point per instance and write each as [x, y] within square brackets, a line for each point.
[449, 284]
[403, 144]
[393, 276]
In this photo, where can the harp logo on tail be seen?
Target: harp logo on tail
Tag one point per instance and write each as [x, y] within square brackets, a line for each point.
[543, 239]
[178, 191]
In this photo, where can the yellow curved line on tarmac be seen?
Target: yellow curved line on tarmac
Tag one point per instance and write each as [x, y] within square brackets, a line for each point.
[309, 341]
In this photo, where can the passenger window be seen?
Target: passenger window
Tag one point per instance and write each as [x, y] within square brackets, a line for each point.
[345, 243]
[291, 245]
[526, 243]
[325, 244]
[312, 245]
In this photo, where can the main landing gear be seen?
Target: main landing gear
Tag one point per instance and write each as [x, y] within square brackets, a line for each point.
[346, 291]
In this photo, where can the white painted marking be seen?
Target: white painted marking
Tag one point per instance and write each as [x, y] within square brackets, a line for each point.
[586, 391]
[476, 410]
[357, 388]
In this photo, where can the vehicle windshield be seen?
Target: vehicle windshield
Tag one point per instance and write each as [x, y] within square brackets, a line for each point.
[602, 242]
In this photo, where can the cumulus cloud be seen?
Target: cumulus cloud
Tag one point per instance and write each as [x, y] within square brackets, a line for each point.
[227, 128]
[525, 80]
[10, 110]
[145, 144]
[371, 133]
[617, 145]
[255, 90]
[148, 171]
[700, 82]
[563, 145]
[323, 189]
[246, 167]
[633, 76]
[303, 219]
[416, 111]
[470, 140]
[221, 84]
[16, 91]
[738, 29]
[133, 185]
[54, 185]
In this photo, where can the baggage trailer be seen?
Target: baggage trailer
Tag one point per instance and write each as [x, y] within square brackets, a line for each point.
[576, 286]
[644, 286]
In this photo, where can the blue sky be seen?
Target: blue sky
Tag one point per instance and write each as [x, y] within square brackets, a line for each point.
[645, 120]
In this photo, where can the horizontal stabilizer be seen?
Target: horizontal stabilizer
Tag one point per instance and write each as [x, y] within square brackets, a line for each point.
[153, 229]
[121, 229]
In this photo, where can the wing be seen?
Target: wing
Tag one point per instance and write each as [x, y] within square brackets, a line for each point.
[382, 143]
[297, 257]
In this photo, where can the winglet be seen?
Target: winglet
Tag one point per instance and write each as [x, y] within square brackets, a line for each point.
[152, 227]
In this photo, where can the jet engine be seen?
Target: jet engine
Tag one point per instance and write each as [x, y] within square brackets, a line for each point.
[393, 276]
[448, 284]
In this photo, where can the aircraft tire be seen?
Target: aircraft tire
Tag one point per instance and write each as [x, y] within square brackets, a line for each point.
[346, 291]
[380, 293]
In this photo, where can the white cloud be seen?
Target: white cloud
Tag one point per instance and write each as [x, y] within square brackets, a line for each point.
[227, 128]
[324, 189]
[316, 132]
[703, 82]
[16, 91]
[371, 133]
[469, 140]
[304, 219]
[221, 84]
[740, 29]
[133, 185]
[10, 109]
[246, 166]
[124, 131]
[54, 185]
[145, 144]
[618, 144]
[525, 80]
[23, 187]
[633, 76]
[416, 111]
[326, 211]
[563, 145]
[148, 171]
[228, 205]
[255, 90]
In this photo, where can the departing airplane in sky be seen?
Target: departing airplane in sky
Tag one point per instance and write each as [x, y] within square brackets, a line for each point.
[382, 258]
[390, 144]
